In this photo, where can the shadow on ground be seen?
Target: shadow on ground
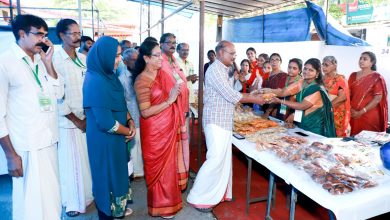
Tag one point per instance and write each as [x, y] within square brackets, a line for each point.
[140, 211]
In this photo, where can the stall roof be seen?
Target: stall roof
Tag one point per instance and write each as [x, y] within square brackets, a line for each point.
[227, 8]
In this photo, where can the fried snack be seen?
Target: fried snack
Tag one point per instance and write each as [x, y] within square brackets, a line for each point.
[268, 96]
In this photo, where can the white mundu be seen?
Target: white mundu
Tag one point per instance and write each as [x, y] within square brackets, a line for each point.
[213, 182]
[28, 114]
[75, 173]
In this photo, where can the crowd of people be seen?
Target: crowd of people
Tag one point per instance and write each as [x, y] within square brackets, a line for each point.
[75, 125]
[316, 97]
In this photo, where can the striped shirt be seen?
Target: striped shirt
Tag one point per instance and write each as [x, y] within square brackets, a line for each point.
[219, 97]
[73, 74]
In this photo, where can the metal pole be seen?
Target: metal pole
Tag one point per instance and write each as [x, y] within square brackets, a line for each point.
[93, 23]
[140, 21]
[98, 22]
[173, 13]
[201, 78]
[148, 18]
[326, 24]
[18, 7]
[80, 20]
[11, 11]
[162, 16]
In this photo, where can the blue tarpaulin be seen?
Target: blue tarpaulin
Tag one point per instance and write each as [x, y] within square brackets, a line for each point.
[287, 26]
[329, 34]
[279, 27]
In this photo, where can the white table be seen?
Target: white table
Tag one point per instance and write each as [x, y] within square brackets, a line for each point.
[360, 204]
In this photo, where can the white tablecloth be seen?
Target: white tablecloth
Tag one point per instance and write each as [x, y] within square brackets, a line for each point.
[360, 204]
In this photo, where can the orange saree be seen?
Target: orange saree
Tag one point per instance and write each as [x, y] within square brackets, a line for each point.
[163, 137]
[362, 92]
[342, 112]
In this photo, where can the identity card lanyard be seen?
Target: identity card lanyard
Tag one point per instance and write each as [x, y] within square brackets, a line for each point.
[174, 73]
[35, 73]
[299, 113]
[283, 108]
[44, 99]
[78, 62]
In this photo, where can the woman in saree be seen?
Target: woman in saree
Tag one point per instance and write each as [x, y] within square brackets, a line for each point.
[368, 97]
[338, 92]
[294, 79]
[313, 109]
[276, 80]
[109, 127]
[163, 101]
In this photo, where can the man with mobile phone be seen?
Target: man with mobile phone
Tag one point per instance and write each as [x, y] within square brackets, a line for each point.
[29, 90]
[75, 173]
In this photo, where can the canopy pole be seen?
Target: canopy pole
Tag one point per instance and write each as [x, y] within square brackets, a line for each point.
[201, 78]
[140, 20]
[326, 25]
[18, 7]
[11, 11]
[165, 18]
[148, 18]
[93, 22]
[79, 12]
[162, 16]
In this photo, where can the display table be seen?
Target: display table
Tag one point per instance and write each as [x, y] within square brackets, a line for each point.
[359, 204]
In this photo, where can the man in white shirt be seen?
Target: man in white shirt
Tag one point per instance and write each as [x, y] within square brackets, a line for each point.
[188, 69]
[29, 89]
[75, 173]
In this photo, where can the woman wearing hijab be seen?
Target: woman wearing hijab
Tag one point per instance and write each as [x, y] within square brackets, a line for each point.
[109, 127]
[163, 101]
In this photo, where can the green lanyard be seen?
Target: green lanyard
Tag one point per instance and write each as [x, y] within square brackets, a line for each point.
[288, 80]
[78, 62]
[303, 90]
[34, 72]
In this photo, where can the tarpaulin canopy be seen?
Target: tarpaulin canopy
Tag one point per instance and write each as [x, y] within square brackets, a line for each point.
[287, 26]
[278, 27]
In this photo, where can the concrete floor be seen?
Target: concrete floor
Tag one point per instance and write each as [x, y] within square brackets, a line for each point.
[139, 206]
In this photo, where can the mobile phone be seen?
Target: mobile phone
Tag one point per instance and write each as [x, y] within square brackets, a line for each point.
[238, 136]
[301, 133]
[44, 47]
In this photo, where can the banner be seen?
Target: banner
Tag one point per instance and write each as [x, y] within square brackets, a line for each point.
[359, 11]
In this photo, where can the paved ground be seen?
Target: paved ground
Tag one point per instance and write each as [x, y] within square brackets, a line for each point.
[139, 206]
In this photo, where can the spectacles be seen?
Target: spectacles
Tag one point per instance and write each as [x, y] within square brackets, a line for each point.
[39, 34]
[156, 55]
[231, 53]
[171, 42]
[74, 34]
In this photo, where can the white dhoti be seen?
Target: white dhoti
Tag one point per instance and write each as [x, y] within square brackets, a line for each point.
[136, 164]
[75, 173]
[213, 182]
[36, 195]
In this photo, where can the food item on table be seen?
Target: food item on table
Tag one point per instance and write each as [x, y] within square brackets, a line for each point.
[294, 139]
[322, 146]
[268, 96]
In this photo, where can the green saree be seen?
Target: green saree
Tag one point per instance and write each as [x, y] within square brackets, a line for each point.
[321, 120]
